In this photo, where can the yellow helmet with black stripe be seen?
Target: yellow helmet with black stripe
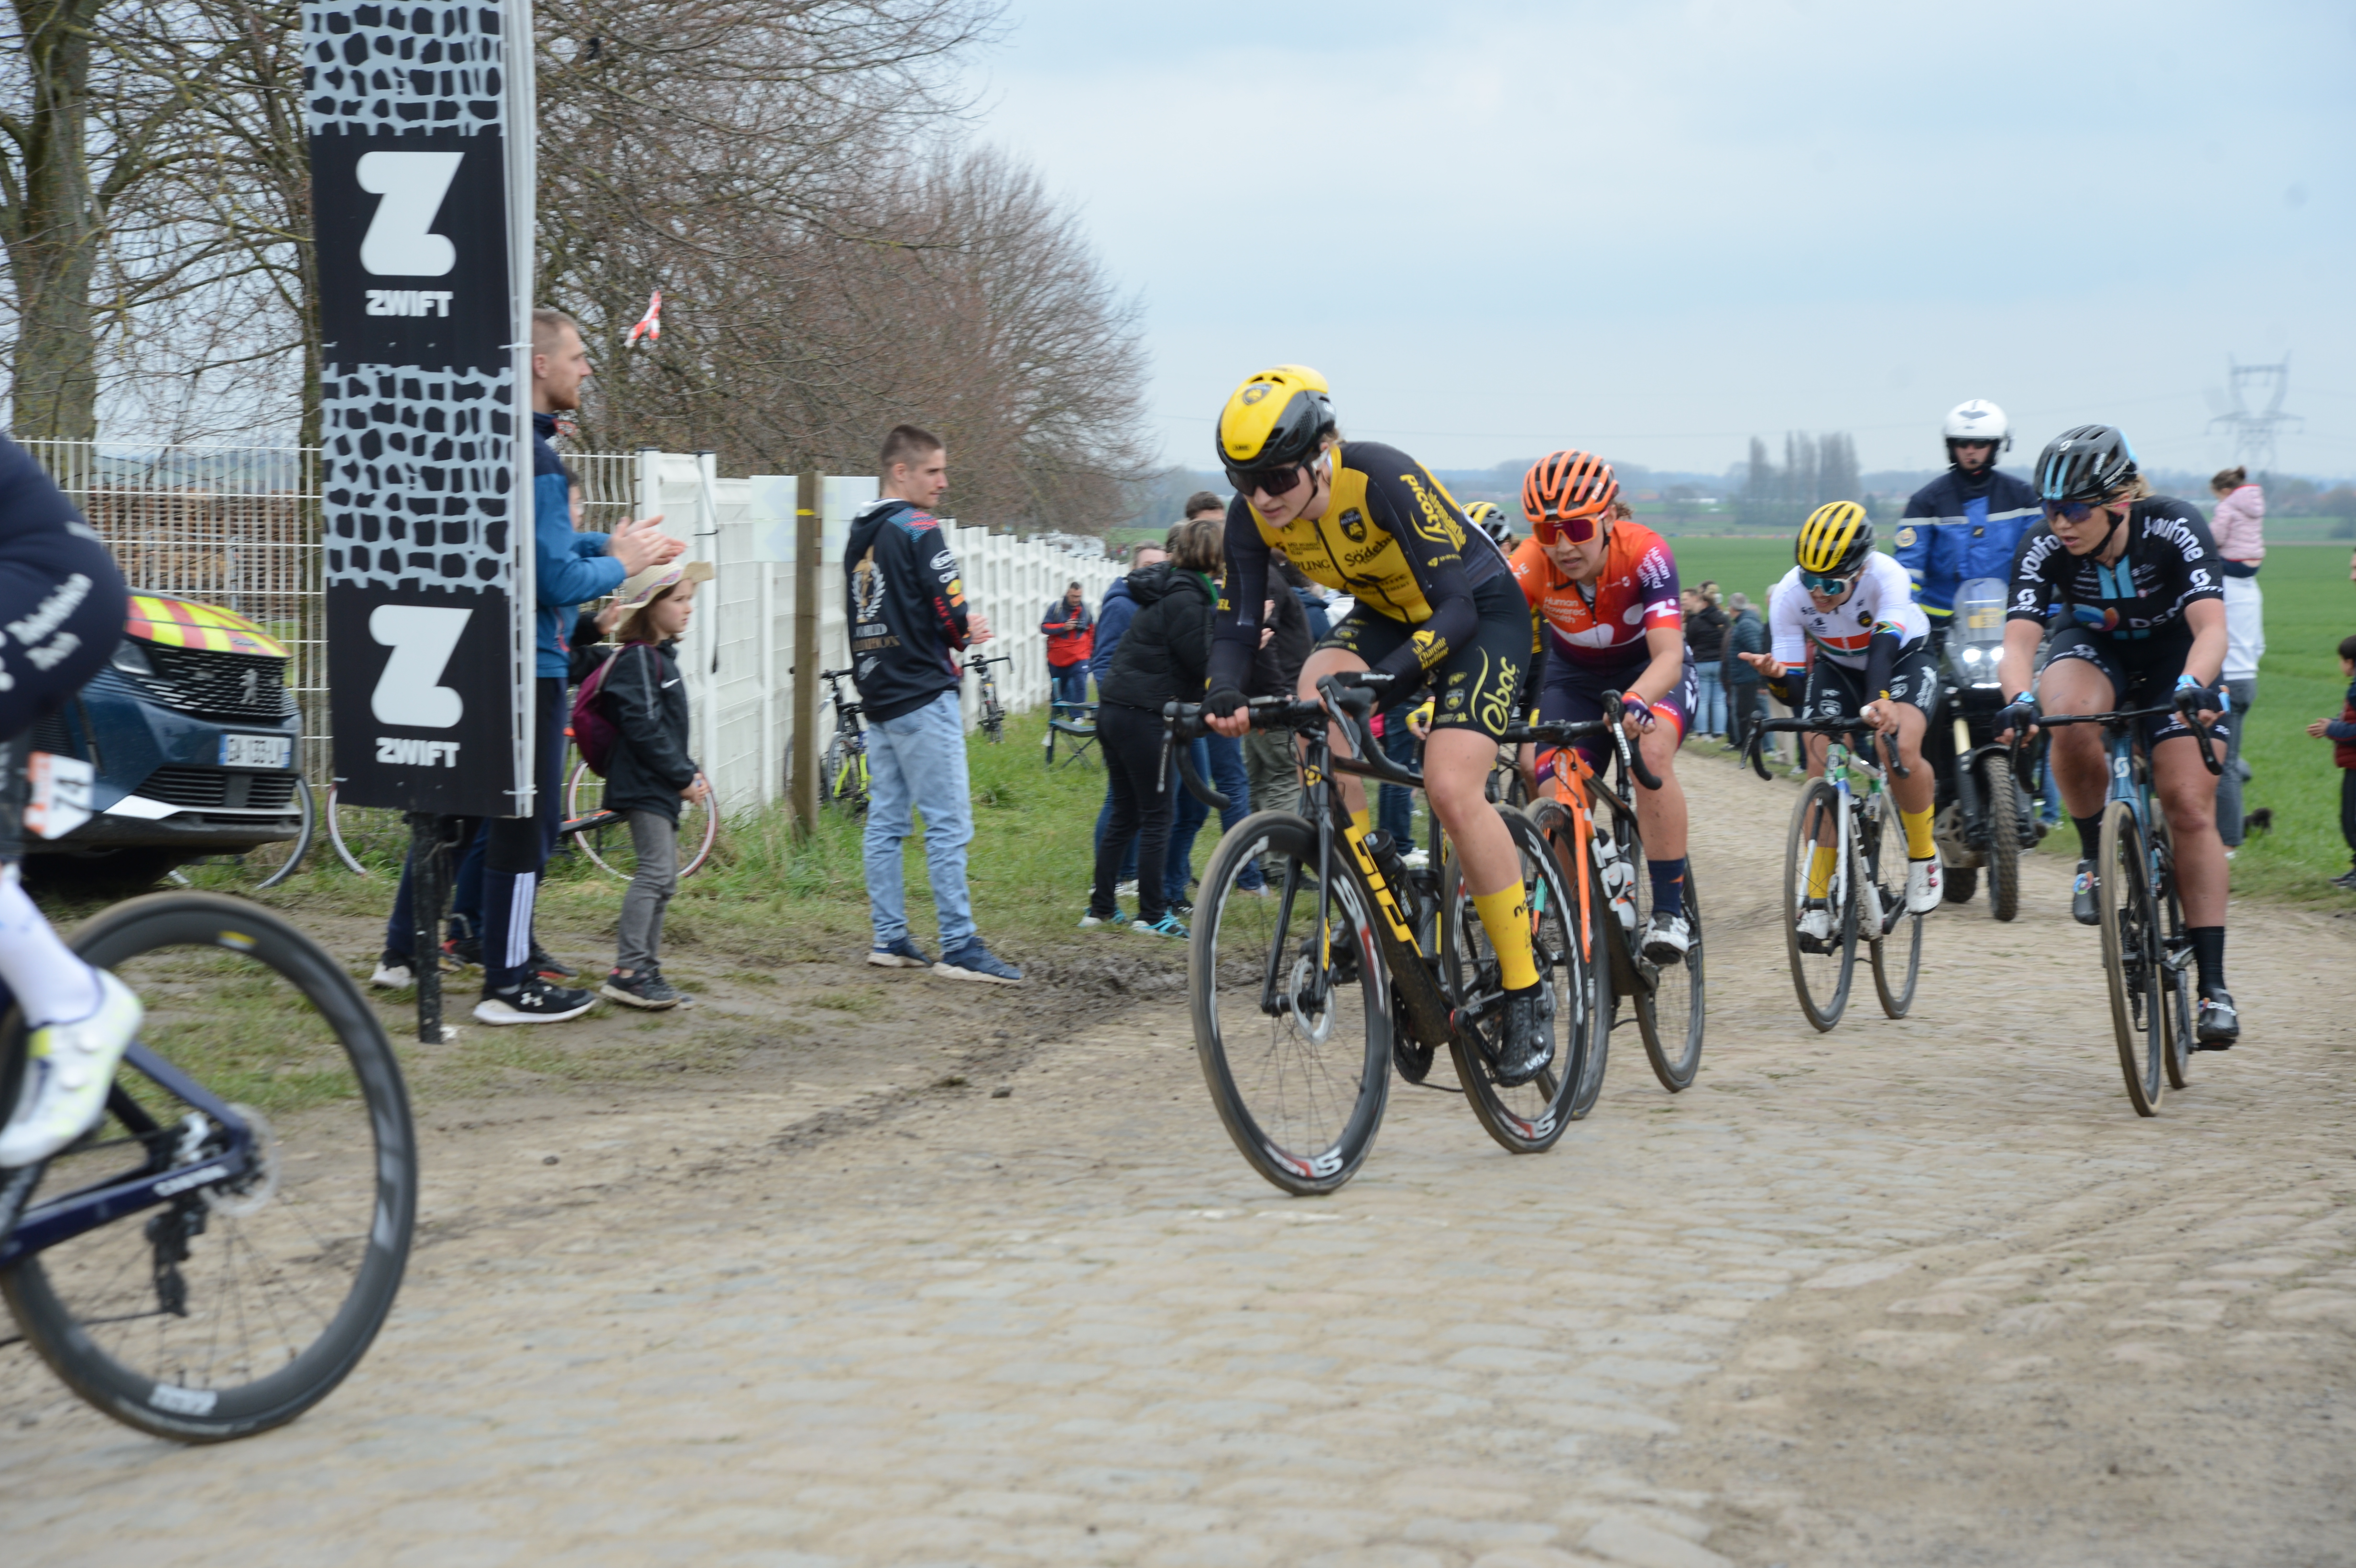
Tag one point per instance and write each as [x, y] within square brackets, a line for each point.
[1835, 539]
[1276, 419]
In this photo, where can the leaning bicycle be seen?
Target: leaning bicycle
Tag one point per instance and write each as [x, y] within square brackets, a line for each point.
[1591, 823]
[2146, 947]
[1845, 875]
[216, 1257]
[1306, 997]
[989, 712]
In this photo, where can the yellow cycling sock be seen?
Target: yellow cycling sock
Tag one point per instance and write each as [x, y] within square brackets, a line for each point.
[1918, 834]
[1506, 919]
[1820, 870]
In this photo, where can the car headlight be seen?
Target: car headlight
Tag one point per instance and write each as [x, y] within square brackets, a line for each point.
[131, 660]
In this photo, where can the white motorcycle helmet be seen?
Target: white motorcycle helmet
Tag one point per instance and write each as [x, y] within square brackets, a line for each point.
[1978, 420]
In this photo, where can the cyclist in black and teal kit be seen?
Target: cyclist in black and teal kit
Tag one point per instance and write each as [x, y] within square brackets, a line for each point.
[1436, 602]
[2135, 577]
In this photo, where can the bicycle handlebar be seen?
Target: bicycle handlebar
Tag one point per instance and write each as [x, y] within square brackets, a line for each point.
[2183, 707]
[1563, 733]
[1185, 723]
[1755, 752]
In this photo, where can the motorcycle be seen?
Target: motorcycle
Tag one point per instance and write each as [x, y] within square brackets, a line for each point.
[1973, 828]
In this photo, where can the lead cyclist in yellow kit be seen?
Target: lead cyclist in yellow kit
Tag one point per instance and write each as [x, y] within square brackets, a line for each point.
[1435, 600]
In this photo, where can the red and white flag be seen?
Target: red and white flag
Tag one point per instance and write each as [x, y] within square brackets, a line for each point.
[649, 325]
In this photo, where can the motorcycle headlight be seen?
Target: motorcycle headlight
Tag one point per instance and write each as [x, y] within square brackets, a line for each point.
[131, 660]
[1972, 655]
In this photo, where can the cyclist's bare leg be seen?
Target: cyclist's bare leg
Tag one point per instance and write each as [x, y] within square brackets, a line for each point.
[2187, 798]
[2081, 767]
[1322, 663]
[1914, 792]
[1456, 765]
[1661, 813]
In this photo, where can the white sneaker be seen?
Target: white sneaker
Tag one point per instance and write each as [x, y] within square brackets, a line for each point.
[1816, 923]
[1127, 889]
[1922, 885]
[68, 1069]
[1416, 860]
[392, 975]
[1669, 939]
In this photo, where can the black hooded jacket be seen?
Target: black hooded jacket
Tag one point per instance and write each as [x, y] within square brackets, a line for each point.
[646, 701]
[1166, 652]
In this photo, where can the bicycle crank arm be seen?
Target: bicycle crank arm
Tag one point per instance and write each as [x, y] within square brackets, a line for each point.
[1428, 1012]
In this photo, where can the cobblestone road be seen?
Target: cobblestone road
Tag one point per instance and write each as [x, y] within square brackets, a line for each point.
[1920, 1292]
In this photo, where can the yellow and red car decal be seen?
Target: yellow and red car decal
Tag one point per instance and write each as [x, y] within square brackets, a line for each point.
[178, 623]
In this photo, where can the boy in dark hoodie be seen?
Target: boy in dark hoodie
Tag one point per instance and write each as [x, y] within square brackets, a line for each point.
[650, 771]
[2342, 733]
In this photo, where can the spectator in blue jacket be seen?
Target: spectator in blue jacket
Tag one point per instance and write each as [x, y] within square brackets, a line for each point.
[1969, 521]
[568, 569]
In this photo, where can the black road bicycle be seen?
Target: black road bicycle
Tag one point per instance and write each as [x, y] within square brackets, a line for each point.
[216, 1255]
[2146, 949]
[1305, 994]
[990, 711]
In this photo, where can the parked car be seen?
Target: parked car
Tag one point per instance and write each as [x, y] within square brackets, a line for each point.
[195, 743]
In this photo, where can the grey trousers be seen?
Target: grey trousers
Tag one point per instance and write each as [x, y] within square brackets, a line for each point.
[656, 838]
[2229, 783]
[1273, 766]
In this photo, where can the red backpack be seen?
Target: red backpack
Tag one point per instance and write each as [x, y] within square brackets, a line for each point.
[592, 732]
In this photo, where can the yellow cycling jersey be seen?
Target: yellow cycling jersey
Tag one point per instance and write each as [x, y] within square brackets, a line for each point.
[1391, 535]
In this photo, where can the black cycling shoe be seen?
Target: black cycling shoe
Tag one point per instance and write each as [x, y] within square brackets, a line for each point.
[1525, 1043]
[2220, 1026]
[2085, 896]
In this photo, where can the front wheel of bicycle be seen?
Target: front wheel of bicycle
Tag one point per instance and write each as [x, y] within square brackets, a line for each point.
[2132, 958]
[2005, 814]
[1298, 1070]
[372, 841]
[2176, 978]
[236, 1303]
[613, 850]
[1563, 830]
[1896, 936]
[1528, 1117]
[1822, 965]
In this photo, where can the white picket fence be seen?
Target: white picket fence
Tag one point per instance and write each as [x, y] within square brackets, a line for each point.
[239, 526]
[738, 654]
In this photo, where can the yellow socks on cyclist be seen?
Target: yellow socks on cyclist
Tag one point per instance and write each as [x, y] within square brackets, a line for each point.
[1917, 823]
[1820, 870]
[1506, 919]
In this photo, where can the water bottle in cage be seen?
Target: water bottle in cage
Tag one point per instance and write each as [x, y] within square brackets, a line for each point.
[1618, 880]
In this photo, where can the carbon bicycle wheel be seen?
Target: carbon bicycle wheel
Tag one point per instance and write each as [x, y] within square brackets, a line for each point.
[1822, 966]
[1528, 1117]
[2176, 976]
[1896, 937]
[1586, 923]
[372, 841]
[612, 849]
[2131, 958]
[1299, 1077]
[234, 1304]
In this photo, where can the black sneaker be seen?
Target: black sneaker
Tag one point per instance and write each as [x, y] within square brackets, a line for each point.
[533, 1002]
[648, 990]
[2085, 896]
[548, 966]
[2220, 1026]
[1525, 1043]
[464, 952]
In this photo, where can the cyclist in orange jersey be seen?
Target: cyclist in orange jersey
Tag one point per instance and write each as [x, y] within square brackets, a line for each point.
[1606, 588]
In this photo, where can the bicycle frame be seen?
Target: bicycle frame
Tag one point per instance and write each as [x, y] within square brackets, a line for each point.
[1571, 789]
[1840, 763]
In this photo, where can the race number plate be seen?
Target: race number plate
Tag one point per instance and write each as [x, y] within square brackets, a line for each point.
[257, 751]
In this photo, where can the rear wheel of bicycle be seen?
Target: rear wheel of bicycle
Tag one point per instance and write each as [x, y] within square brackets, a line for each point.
[1588, 912]
[1881, 918]
[372, 841]
[230, 1308]
[2132, 958]
[1299, 1077]
[1822, 968]
[2176, 976]
[993, 721]
[842, 777]
[1527, 1117]
[264, 864]
[2005, 816]
[612, 852]
[1669, 997]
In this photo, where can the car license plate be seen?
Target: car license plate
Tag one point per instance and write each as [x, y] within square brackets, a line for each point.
[257, 751]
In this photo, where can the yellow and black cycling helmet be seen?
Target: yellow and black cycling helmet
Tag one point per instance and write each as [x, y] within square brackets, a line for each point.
[1835, 540]
[1277, 419]
[1491, 519]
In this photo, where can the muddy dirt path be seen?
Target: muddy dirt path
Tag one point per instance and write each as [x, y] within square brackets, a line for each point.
[1920, 1292]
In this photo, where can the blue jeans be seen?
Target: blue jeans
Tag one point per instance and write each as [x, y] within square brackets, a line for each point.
[1711, 718]
[918, 760]
[1220, 759]
[1395, 806]
[1071, 687]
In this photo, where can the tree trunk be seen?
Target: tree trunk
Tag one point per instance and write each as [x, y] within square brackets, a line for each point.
[51, 229]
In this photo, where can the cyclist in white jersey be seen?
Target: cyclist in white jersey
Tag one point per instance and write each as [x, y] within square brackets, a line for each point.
[1848, 612]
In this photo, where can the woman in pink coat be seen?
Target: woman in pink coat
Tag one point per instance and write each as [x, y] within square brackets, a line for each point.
[2239, 528]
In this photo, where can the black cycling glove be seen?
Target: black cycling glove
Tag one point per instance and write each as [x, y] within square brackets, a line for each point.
[2205, 698]
[2017, 715]
[1224, 702]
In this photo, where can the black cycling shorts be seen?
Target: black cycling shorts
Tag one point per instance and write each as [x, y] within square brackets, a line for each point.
[1574, 695]
[2142, 675]
[1476, 687]
[61, 596]
[1836, 688]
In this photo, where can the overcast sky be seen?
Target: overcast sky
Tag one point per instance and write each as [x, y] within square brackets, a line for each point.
[1659, 229]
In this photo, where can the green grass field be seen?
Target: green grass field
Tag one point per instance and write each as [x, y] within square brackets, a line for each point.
[2310, 605]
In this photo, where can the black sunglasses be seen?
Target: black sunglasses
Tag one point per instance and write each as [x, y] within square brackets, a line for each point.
[1270, 482]
[2071, 511]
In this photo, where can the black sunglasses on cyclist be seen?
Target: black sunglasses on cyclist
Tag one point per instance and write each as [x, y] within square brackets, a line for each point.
[2070, 511]
[1273, 483]
[1830, 587]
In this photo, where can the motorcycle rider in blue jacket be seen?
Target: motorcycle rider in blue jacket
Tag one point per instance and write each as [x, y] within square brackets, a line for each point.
[1968, 522]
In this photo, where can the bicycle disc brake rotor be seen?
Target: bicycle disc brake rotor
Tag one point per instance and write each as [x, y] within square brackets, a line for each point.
[1318, 1026]
[252, 1194]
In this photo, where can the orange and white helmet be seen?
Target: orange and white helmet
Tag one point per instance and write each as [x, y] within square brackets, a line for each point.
[1567, 491]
